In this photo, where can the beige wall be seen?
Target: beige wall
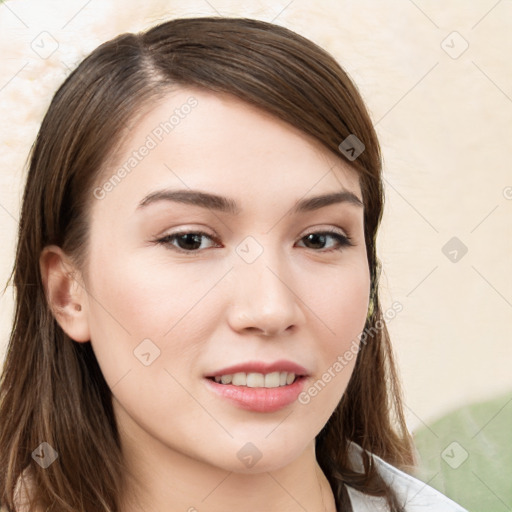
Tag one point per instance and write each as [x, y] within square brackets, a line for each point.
[445, 123]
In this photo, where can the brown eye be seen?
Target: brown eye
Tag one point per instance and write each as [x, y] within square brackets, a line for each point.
[317, 240]
[186, 241]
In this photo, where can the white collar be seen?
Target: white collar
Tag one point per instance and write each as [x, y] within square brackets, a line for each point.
[414, 495]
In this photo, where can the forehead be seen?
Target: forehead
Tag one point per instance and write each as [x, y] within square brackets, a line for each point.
[193, 138]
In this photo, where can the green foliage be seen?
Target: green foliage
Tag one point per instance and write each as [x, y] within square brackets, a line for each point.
[467, 455]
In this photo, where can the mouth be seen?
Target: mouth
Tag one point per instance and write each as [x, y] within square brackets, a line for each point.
[257, 380]
[259, 387]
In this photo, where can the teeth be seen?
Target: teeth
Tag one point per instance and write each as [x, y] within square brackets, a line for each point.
[272, 380]
[226, 379]
[239, 379]
[257, 380]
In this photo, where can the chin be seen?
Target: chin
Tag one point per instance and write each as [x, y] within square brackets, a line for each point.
[263, 455]
[263, 465]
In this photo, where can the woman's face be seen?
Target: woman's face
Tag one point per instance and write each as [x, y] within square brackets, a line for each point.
[251, 295]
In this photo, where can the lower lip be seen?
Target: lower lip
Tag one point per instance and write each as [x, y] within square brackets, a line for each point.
[259, 399]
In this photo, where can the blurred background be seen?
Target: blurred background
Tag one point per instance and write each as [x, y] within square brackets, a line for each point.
[437, 79]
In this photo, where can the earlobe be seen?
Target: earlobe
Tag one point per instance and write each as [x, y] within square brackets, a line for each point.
[65, 294]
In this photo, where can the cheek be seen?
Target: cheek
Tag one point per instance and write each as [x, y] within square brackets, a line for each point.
[342, 303]
[142, 334]
[341, 311]
[136, 309]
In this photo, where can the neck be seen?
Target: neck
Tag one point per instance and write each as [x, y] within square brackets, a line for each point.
[161, 479]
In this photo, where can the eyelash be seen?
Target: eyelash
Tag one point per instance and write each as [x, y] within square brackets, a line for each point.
[343, 240]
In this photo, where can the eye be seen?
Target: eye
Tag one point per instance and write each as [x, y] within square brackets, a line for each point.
[186, 241]
[191, 241]
[319, 238]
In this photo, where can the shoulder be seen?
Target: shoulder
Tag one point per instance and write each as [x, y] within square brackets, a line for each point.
[414, 494]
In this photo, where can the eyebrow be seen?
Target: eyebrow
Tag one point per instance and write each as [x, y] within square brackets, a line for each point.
[228, 205]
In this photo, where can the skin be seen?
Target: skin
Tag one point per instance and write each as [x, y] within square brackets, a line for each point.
[210, 308]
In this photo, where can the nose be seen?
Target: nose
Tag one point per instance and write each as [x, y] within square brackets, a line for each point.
[264, 301]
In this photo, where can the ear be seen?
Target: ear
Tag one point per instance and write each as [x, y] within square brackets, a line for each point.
[65, 292]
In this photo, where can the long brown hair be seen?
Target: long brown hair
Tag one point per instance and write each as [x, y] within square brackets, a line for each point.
[52, 388]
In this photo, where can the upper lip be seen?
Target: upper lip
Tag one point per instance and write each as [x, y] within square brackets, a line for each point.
[261, 367]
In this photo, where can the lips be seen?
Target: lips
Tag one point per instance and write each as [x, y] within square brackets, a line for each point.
[258, 386]
[261, 367]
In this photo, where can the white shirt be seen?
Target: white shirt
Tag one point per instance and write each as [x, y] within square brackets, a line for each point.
[413, 494]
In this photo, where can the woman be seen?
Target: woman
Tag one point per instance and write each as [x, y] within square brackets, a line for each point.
[197, 322]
